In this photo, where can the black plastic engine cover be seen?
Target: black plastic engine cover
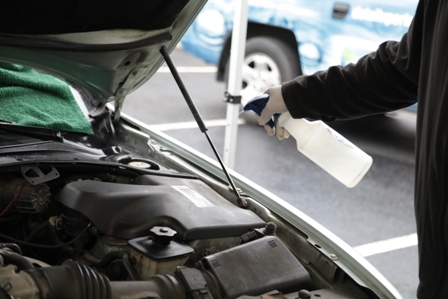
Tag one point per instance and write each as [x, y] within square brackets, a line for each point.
[127, 211]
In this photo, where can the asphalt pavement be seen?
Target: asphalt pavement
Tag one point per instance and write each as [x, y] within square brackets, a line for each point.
[376, 217]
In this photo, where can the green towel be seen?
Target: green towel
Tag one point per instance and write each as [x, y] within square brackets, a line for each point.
[30, 98]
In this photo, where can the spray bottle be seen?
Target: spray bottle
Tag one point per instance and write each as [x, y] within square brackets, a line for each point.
[321, 144]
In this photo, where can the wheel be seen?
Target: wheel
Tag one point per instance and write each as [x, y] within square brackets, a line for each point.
[268, 62]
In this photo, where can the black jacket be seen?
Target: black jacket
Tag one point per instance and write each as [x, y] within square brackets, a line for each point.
[399, 74]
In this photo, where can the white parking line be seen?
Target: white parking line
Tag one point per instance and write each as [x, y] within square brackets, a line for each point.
[190, 69]
[387, 245]
[192, 124]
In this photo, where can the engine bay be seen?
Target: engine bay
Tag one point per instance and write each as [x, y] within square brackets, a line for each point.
[79, 231]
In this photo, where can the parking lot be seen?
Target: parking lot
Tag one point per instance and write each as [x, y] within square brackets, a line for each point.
[376, 217]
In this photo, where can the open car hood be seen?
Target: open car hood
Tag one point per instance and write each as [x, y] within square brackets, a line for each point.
[108, 47]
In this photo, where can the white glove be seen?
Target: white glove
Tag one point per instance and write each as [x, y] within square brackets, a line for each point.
[276, 104]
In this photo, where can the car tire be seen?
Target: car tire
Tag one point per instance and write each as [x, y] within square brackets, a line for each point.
[268, 62]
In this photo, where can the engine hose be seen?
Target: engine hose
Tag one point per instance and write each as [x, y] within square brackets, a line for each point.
[73, 280]
[161, 286]
[124, 258]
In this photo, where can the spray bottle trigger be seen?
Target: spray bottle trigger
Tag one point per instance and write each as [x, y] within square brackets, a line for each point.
[257, 105]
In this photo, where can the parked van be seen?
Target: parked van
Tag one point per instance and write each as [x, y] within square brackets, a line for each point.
[287, 38]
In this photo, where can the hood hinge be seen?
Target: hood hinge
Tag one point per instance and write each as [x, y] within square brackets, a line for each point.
[123, 91]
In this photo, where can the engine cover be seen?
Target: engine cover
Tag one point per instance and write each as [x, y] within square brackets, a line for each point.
[190, 207]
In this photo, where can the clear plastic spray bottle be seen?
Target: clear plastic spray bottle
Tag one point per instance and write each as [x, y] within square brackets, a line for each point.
[322, 145]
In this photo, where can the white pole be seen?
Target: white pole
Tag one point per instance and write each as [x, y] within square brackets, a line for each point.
[237, 51]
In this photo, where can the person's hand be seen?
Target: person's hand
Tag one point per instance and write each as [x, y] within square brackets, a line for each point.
[276, 104]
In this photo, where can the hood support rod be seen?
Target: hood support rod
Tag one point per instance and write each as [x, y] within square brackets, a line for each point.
[241, 201]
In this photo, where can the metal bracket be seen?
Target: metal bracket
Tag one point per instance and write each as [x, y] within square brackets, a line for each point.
[36, 174]
[228, 98]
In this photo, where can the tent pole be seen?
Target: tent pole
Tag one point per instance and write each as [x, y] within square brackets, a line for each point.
[233, 97]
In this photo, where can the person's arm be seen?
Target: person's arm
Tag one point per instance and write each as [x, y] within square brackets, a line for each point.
[382, 81]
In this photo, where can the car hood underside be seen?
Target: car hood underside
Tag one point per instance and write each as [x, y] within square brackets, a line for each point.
[108, 47]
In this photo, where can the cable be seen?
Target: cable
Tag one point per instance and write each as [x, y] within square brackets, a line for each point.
[47, 246]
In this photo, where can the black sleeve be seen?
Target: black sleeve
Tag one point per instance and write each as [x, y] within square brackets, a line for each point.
[382, 81]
